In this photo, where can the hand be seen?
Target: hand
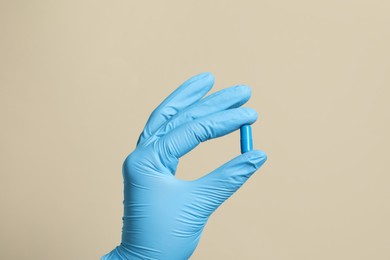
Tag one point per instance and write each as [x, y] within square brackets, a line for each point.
[164, 216]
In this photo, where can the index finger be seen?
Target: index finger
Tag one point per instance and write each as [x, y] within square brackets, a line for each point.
[188, 93]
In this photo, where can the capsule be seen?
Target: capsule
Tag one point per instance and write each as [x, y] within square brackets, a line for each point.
[246, 138]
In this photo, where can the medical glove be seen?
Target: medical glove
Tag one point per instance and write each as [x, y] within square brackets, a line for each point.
[164, 216]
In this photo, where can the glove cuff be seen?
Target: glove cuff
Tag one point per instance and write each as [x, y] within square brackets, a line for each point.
[120, 253]
[113, 255]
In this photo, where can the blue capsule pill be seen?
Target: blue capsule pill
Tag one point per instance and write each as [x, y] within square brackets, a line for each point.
[246, 138]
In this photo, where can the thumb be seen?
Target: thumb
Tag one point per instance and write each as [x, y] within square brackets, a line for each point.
[217, 186]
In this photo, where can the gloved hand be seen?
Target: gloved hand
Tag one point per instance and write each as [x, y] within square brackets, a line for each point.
[164, 216]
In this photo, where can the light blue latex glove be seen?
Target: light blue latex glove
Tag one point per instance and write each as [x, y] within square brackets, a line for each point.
[164, 216]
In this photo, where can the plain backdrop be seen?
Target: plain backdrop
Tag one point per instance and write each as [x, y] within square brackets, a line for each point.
[78, 80]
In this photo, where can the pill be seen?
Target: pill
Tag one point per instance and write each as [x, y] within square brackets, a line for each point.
[246, 138]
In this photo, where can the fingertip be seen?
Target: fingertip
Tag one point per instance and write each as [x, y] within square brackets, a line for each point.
[256, 157]
[250, 113]
[203, 81]
[236, 95]
[244, 91]
[206, 78]
[210, 77]
[206, 75]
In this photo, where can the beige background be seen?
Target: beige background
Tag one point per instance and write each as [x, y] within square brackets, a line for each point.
[78, 80]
